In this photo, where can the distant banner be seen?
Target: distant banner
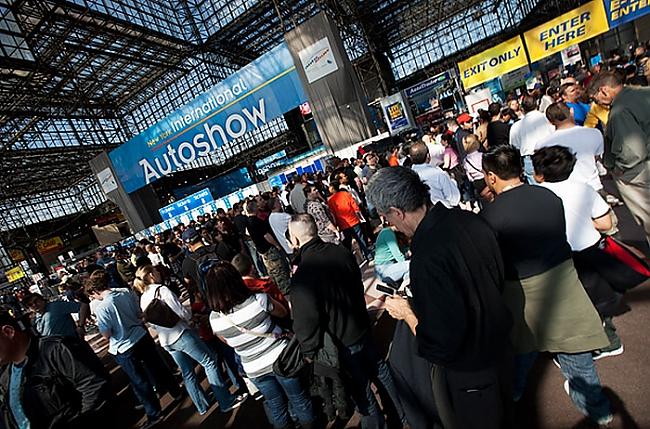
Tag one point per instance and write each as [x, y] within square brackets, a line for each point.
[427, 84]
[187, 204]
[568, 29]
[49, 245]
[622, 11]
[246, 100]
[14, 274]
[16, 255]
[397, 113]
[493, 62]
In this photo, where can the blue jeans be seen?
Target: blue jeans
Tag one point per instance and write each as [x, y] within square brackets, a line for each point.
[584, 384]
[226, 357]
[256, 258]
[356, 233]
[280, 393]
[187, 351]
[394, 271]
[142, 362]
[360, 362]
[529, 170]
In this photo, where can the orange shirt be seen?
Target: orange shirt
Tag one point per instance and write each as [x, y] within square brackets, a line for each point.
[393, 161]
[344, 209]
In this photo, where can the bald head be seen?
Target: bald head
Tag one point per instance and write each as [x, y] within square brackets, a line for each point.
[302, 229]
[419, 152]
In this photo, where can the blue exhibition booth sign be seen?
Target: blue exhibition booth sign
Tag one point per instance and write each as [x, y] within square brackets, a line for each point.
[187, 204]
[246, 100]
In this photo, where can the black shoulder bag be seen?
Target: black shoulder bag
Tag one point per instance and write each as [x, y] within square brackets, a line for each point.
[159, 313]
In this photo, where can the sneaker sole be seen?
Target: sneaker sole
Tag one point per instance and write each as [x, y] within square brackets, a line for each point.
[617, 352]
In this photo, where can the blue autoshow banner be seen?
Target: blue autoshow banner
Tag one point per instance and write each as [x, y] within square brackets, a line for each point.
[187, 204]
[246, 100]
[622, 11]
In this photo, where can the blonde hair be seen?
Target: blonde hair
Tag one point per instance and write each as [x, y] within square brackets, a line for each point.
[471, 143]
[140, 284]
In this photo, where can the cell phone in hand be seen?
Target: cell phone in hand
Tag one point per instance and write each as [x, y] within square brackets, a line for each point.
[386, 290]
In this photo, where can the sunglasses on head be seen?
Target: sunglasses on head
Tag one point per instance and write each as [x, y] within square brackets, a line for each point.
[208, 264]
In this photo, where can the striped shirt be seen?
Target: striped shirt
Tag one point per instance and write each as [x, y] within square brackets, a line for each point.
[252, 334]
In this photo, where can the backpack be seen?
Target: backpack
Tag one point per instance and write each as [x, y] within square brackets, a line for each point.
[203, 255]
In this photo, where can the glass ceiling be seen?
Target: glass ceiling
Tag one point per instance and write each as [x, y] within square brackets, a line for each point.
[12, 43]
[115, 67]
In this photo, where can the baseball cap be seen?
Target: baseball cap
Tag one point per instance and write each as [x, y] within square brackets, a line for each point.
[463, 117]
[190, 235]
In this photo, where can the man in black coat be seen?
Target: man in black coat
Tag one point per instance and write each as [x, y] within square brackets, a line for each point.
[457, 314]
[49, 383]
[327, 296]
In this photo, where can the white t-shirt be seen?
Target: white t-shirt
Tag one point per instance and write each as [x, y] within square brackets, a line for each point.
[525, 133]
[437, 153]
[167, 336]
[156, 259]
[279, 222]
[582, 204]
[586, 144]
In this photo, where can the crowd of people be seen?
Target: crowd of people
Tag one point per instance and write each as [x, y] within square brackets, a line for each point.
[489, 233]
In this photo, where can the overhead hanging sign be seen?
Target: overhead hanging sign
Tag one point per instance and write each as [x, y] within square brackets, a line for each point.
[318, 60]
[622, 11]
[187, 204]
[107, 180]
[246, 100]
[571, 28]
[492, 63]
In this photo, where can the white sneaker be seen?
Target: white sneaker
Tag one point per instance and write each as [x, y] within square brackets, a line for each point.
[238, 401]
[602, 354]
[604, 421]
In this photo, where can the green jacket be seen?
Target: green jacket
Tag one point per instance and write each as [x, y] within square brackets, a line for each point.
[627, 151]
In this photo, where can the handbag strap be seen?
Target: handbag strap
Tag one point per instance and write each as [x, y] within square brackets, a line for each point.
[472, 165]
[248, 331]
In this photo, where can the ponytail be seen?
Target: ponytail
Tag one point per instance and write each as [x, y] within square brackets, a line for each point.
[141, 282]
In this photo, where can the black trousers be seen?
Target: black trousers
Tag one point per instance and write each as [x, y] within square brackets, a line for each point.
[474, 399]
[595, 270]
